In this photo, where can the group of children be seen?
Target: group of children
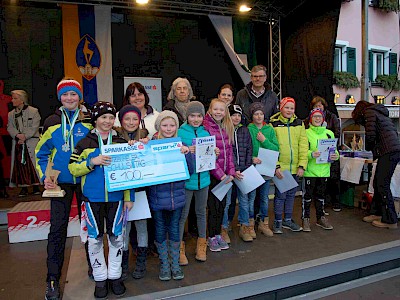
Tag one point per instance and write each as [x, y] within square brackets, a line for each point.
[237, 148]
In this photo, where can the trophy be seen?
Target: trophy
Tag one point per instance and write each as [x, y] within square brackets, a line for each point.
[53, 175]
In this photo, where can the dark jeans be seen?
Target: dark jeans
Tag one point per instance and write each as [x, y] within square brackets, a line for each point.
[382, 202]
[59, 217]
[215, 211]
[315, 188]
[167, 223]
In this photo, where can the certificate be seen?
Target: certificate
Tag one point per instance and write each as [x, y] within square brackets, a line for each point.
[326, 147]
[222, 188]
[269, 159]
[205, 153]
[140, 209]
[138, 165]
[286, 183]
[251, 180]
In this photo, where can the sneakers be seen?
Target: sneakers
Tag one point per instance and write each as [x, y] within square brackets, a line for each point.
[23, 192]
[277, 228]
[306, 225]
[52, 290]
[118, 287]
[325, 213]
[371, 218]
[101, 290]
[323, 222]
[222, 243]
[225, 235]
[380, 224]
[337, 207]
[290, 224]
[213, 244]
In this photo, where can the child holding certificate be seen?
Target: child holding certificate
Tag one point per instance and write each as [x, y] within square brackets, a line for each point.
[262, 136]
[167, 201]
[316, 175]
[293, 147]
[87, 161]
[218, 122]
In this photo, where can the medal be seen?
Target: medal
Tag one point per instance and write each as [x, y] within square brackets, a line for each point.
[65, 147]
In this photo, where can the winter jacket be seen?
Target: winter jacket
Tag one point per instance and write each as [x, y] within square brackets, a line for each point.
[242, 148]
[93, 183]
[171, 106]
[293, 142]
[315, 133]
[381, 136]
[332, 123]
[224, 164]
[187, 133]
[270, 143]
[51, 142]
[245, 98]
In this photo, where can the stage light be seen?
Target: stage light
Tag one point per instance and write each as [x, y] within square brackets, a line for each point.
[142, 2]
[244, 8]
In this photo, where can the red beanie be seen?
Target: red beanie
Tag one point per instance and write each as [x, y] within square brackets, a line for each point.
[316, 111]
[286, 100]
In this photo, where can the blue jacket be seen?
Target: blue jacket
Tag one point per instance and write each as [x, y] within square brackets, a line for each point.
[187, 133]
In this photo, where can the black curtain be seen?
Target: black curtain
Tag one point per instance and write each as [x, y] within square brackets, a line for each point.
[308, 35]
[4, 72]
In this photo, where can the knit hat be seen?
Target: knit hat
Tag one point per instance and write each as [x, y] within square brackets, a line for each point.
[316, 111]
[235, 109]
[128, 108]
[165, 114]
[101, 108]
[67, 85]
[286, 100]
[256, 106]
[195, 107]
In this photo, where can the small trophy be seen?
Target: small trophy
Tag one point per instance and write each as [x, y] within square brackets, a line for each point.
[53, 175]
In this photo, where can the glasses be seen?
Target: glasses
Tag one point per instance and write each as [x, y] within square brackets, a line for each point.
[317, 117]
[258, 76]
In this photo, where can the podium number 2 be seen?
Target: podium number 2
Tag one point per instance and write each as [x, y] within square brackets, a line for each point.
[32, 220]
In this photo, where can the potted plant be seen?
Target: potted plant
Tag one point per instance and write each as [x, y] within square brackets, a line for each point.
[387, 5]
[345, 80]
[388, 82]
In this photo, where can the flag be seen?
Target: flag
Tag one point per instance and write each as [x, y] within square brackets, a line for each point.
[87, 49]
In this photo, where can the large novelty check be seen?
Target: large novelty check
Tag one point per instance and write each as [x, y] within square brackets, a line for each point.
[139, 165]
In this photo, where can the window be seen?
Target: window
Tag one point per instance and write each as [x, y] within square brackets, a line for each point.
[381, 62]
[337, 62]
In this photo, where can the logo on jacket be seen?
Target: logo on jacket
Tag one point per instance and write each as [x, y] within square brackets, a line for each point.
[88, 57]
[96, 264]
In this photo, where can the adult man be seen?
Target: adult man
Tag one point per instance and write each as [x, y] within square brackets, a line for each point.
[258, 90]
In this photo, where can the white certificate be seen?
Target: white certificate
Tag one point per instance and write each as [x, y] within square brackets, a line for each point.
[251, 180]
[286, 183]
[326, 147]
[205, 153]
[269, 159]
[222, 188]
[140, 209]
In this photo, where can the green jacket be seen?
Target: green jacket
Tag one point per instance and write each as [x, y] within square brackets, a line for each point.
[270, 143]
[314, 134]
[293, 143]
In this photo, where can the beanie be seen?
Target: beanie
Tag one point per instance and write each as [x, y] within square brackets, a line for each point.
[286, 100]
[316, 111]
[235, 109]
[101, 108]
[195, 107]
[165, 114]
[256, 106]
[128, 108]
[67, 85]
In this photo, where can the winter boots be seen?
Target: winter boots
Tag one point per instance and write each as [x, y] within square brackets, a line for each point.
[201, 249]
[183, 261]
[251, 228]
[125, 264]
[176, 270]
[263, 226]
[244, 233]
[140, 269]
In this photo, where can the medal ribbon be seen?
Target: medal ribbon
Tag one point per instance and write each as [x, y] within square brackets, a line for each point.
[67, 135]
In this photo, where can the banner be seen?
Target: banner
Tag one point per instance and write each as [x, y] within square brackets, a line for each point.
[87, 49]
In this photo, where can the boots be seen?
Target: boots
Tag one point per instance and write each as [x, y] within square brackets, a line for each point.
[140, 268]
[165, 268]
[225, 235]
[251, 228]
[264, 227]
[176, 270]
[183, 261]
[201, 249]
[125, 264]
[244, 233]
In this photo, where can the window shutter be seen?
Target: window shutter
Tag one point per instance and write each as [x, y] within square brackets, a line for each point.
[392, 63]
[370, 66]
[351, 60]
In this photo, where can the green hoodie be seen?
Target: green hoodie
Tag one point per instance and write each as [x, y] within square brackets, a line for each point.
[270, 143]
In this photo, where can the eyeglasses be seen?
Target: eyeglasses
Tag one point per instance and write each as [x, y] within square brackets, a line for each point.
[317, 117]
[258, 76]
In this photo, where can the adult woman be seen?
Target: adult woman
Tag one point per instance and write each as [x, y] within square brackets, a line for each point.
[136, 95]
[226, 93]
[23, 126]
[382, 139]
[179, 96]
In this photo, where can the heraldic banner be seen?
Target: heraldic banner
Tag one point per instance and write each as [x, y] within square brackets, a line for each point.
[87, 49]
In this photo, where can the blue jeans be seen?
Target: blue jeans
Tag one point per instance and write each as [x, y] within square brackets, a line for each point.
[225, 220]
[284, 202]
[246, 206]
[263, 191]
[167, 221]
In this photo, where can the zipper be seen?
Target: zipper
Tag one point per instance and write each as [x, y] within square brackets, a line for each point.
[198, 174]
[290, 144]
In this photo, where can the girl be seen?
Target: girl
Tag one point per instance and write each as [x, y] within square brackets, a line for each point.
[218, 122]
[316, 176]
[87, 161]
[130, 117]
[166, 201]
[262, 136]
[293, 147]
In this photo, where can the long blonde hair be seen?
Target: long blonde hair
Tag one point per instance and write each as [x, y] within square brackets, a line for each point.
[226, 121]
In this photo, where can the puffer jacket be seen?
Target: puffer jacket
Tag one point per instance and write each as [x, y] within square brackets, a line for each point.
[381, 136]
[224, 164]
[242, 148]
[187, 133]
[293, 142]
[315, 133]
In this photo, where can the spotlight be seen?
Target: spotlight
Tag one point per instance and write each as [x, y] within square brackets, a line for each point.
[142, 2]
[244, 8]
